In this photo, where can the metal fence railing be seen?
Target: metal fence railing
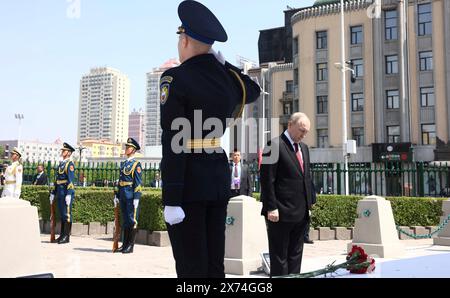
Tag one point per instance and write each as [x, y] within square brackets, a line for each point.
[89, 174]
[387, 179]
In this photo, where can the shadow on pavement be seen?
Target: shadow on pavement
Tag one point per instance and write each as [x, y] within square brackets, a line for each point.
[93, 250]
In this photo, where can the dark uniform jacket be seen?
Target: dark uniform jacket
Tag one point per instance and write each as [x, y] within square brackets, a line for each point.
[130, 182]
[201, 83]
[283, 185]
[65, 176]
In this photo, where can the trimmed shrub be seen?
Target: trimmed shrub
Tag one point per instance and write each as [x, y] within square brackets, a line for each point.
[340, 211]
[96, 205]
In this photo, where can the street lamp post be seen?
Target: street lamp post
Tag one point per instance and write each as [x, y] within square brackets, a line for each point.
[20, 118]
[264, 94]
[344, 100]
[81, 149]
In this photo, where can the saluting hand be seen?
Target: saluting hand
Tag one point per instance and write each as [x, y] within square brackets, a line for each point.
[273, 215]
[218, 56]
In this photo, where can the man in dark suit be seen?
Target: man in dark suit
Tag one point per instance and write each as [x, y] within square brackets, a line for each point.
[286, 195]
[241, 181]
[41, 177]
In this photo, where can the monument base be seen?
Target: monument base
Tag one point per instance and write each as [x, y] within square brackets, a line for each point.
[241, 266]
[444, 241]
[380, 250]
[20, 249]
[245, 236]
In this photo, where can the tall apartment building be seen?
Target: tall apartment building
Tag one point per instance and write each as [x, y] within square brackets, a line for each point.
[104, 105]
[136, 126]
[384, 105]
[152, 108]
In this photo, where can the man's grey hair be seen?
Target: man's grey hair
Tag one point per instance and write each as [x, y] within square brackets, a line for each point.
[298, 117]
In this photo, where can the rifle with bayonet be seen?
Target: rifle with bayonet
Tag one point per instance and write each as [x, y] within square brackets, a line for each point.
[117, 229]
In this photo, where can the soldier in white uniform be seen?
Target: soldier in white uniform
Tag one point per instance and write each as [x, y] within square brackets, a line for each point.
[13, 176]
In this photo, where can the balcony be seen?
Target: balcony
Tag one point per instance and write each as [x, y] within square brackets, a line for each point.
[287, 96]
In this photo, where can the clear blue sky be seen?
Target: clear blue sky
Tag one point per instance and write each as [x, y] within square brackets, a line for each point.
[44, 51]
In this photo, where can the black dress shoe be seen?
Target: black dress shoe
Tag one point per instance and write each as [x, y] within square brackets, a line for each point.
[309, 241]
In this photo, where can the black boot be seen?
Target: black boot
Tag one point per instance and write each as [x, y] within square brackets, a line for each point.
[62, 232]
[126, 237]
[129, 248]
[67, 230]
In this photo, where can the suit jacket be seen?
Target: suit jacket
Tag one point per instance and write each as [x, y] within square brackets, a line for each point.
[283, 185]
[42, 180]
[246, 180]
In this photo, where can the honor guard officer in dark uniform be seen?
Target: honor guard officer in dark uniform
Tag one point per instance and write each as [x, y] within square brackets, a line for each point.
[195, 172]
[129, 194]
[64, 192]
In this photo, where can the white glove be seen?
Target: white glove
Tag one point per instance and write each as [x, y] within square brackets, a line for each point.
[218, 56]
[135, 204]
[52, 197]
[173, 215]
[116, 201]
[68, 198]
[309, 212]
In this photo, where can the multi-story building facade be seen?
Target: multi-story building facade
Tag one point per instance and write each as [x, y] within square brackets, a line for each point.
[136, 126]
[100, 149]
[104, 105]
[390, 102]
[152, 106]
[34, 151]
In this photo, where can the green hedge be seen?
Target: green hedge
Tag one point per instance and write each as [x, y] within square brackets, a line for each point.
[95, 204]
[340, 211]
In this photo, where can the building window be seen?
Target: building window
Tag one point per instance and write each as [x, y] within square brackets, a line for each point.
[358, 66]
[390, 24]
[295, 46]
[287, 108]
[426, 60]
[290, 86]
[322, 138]
[393, 133]
[393, 99]
[357, 102]
[427, 97]
[424, 11]
[322, 72]
[358, 135]
[321, 40]
[357, 34]
[322, 104]
[428, 134]
[392, 64]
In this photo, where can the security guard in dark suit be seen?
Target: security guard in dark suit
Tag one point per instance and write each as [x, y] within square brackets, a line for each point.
[65, 192]
[198, 100]
[128, 195]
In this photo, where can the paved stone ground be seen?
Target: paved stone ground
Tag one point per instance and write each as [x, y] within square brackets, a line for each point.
[91, 257]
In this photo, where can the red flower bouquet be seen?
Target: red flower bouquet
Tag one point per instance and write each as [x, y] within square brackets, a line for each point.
[358, 262]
